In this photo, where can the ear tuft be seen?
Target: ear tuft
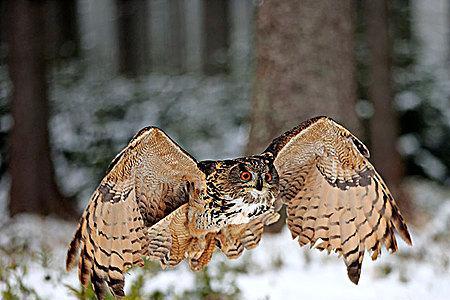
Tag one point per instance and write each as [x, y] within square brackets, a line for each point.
[207, 166]
[268, 156]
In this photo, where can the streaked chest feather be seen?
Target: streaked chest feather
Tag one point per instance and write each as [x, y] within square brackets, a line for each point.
[226, 211]
[243, 212]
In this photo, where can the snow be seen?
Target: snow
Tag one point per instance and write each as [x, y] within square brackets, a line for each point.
[208, 116]
[183, 106]
[325, 277]
[277, 269]
[431, 165]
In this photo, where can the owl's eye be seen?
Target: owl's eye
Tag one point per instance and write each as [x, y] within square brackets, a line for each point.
[246, 176]
[268, 177]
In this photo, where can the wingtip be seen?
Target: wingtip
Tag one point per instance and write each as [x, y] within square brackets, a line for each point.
[354, 275]
[72, 251]
[402, 229]
[354, 271]
[69, 264]
[406, 237]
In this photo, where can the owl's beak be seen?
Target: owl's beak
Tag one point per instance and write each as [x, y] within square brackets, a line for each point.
[259, 183]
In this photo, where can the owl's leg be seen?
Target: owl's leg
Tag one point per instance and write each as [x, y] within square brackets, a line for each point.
[234, 238]
[200, 251]
[169, 239]
[229, 240]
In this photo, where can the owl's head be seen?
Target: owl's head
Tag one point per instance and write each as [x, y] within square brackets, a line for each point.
[241, 177]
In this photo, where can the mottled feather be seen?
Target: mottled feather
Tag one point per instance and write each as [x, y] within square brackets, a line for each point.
[335, 198]
[157, 201]
[146, 181]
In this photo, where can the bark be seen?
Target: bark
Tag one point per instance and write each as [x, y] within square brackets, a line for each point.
[305, 66]
[2, 29]
[176, 42]
[241, 15]
[384, 125]
[61, 29]
[33, 186]
[194, 35]
[99, 35]
[217, 41]
[168, 28]
[133, 41]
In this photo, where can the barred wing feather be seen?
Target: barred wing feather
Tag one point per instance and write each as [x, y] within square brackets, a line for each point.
[335, 199]
[148, 180]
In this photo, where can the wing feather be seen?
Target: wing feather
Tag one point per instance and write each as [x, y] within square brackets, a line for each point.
[146, 181]
[333, 194]
[234, 238]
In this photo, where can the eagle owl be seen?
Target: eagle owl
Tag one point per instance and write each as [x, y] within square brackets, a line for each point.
[159, 202]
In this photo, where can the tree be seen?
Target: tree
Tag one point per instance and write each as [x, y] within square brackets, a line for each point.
[217, 41]
[133, 42]
[384, 127]
[305, 66]
[61, 29]
[33, 186]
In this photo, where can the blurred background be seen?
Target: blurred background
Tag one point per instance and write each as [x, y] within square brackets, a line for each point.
[78, 78]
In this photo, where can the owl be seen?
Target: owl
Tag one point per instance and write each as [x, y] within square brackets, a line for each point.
[158, 202]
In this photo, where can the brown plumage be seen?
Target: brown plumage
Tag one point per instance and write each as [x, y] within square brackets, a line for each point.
[335, 198]
[149, 179]
[158, 202]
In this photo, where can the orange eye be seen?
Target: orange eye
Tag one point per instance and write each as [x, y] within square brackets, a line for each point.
[246, 176]
[268, 177]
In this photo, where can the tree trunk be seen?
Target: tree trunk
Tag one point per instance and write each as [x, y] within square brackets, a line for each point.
[168, 28]
[99, 37]
[217, 41]
[194, 35]
[305, 66]
[61, 29]
[33, 186]
[384, 127]
[133, 42]
[2, 31]
[241, 15]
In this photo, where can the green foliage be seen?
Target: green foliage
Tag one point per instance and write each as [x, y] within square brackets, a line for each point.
[217, 284]
[84, 293]
[13, 269]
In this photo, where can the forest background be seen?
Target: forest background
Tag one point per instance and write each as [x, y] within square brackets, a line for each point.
[79, 77]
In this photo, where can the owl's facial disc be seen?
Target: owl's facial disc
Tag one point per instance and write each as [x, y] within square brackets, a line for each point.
[256, 176]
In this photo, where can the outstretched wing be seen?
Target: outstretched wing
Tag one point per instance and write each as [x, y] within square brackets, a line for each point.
[146, 181]
[335, 199]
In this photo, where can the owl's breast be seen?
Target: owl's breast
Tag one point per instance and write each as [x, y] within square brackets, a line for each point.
[226, 210]
[242, 210]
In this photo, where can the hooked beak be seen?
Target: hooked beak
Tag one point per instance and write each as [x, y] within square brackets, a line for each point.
[259, 183]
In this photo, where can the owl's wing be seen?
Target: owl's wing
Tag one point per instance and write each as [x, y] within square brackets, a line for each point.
[335, 199]
[146, 181]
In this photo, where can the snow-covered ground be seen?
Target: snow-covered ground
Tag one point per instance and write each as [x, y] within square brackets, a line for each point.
[206, 116]
[277, 269]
